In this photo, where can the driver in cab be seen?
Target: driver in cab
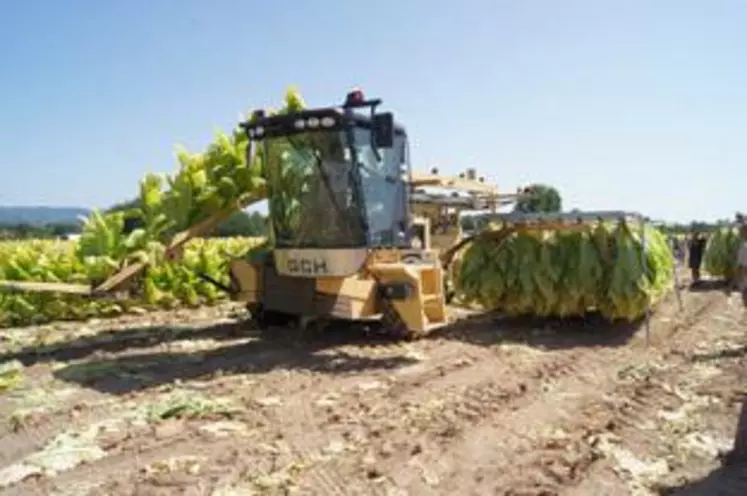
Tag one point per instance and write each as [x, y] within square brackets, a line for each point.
[331, 216]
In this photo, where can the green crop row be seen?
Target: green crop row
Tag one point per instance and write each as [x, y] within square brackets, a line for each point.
[165, 284]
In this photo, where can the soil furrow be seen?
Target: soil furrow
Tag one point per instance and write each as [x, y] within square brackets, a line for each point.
[487, 407]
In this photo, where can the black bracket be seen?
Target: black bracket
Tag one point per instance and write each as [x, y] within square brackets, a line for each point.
[396, 291]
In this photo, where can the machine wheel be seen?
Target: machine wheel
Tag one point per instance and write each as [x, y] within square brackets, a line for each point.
[392, 325]
[265, 319]
[308, 325]
[450, 276]
[449, 295]
[448, 289]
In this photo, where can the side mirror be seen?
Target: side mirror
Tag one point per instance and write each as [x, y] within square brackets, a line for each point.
[383, 130]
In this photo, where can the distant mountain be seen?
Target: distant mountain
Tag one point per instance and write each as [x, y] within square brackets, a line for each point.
[41, 215]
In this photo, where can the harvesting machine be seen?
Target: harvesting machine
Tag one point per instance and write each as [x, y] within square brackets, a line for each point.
[356, 234]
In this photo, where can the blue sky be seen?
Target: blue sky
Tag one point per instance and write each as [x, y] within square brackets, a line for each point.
[637, 104]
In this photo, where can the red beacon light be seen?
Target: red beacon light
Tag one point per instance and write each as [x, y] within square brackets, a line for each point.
[355, 97]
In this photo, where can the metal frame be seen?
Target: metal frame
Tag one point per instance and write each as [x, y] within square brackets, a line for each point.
[466, 192]
[281, 125]
[465, 202]
[571, 217]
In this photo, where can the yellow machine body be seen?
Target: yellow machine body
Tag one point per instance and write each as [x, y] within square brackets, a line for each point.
[404, 287]
[349, 284]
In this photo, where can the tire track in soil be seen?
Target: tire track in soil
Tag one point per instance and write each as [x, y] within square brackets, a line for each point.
[307, 392]
[122, 471]
[350, 419]
[309, 437]
[585, 374]
[76, 412]
[553, 463]
[548, 464]
[484, 392]
[22, 437]
[306, 439]
[463, 406]
[448, 433]
[662, 389]
[461, 395]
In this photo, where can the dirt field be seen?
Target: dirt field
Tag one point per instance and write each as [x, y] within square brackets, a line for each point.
[195, 403]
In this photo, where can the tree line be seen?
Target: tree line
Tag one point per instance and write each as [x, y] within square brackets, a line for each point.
[239, 224]
[542, 199]
[23, 230]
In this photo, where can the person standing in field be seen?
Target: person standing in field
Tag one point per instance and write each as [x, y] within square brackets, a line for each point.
[681, 251]
[677, 249]
[673, 246]
[738, 454]
[695, 251]
[741, 268]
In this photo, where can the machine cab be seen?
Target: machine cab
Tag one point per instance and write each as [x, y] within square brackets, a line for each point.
[337, 181]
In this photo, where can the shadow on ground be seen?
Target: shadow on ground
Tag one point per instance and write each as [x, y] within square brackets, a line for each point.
[118, 362]
[482, 329]
[737, 352]
[286, 350]
[550, 334]
[723, 481]
[122, 360]
[707, 285]
[118, 340]
[729, 479]
[589, 331]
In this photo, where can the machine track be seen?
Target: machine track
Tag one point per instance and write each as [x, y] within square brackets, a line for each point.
[480, 408]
